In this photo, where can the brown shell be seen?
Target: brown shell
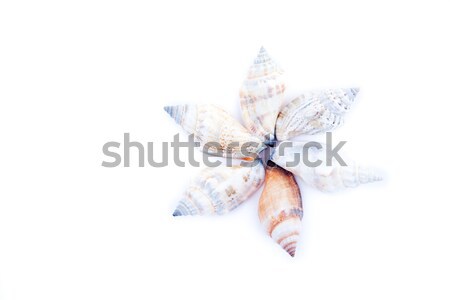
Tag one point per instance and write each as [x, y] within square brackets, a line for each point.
[280, 207]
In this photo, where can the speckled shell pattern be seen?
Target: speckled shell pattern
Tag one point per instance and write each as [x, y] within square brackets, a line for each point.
[314, 112]
[216, 191]
[210, 123]
[324, 178]
[262, 95]
[280, 208]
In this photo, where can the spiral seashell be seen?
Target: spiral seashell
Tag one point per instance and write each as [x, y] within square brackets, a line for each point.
[325, 178]
[261, 96]
[219, 190]
[314, 112]
[211, 124]
[280, 207]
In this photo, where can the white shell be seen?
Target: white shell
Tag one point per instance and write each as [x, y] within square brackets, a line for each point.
[261, 96]
[323, 177]
[314, 112]
[210, 123]
[219, 190]
[280, 208]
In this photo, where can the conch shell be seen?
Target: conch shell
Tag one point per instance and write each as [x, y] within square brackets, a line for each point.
[325, 178]
[211, 124]
[219, 190]
[261, 96]
[314, 112]
[280, 207]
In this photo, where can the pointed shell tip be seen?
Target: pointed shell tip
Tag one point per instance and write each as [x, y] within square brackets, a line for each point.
[262, 56]
[176, 213]
[291, 252]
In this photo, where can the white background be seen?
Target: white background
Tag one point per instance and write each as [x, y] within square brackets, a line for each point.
[77, 74]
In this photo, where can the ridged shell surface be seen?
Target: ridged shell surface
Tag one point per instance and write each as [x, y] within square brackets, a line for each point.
[314, 112]
[280, 207]
[325, 178]
[216, 191]
[262, 95]
[211, 124]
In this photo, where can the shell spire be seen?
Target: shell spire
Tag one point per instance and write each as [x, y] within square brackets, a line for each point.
[180, 114]
[262, 56]
[352, 176]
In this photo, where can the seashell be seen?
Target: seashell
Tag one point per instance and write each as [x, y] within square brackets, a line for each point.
[211, 124]
[219, 190]
[314, 112]
[325, 178]
[280, 207]
[261, 96]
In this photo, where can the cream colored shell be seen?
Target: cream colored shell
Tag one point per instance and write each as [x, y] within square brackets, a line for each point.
[211, 124]
[216, 191]
[323, 177]
[314, 112]
[261, 96]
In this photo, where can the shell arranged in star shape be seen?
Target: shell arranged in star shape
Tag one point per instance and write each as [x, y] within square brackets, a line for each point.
[280, 207]
[262, 94]
[314, 112]
[216, 191]
[322, 177]
[211, 124]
